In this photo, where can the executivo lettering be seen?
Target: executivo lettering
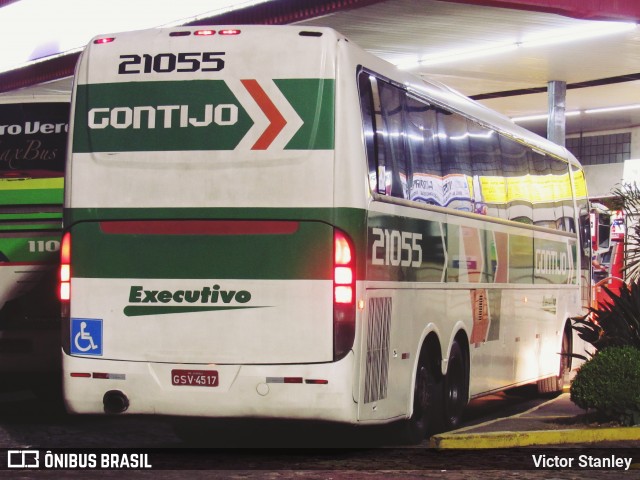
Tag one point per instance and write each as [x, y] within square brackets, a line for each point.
[144, 301]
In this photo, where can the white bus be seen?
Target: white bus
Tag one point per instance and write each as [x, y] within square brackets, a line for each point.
[269, 222]
[34, 124]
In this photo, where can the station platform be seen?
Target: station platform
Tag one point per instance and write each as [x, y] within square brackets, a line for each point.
[557, 421]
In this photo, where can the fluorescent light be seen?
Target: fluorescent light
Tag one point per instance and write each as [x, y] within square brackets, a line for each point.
[543, 116]
[466, 54]
[529, 118]
[581, 32]
[613, 109]
[584, 31]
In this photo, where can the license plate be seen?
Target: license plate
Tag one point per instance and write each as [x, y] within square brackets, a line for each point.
[195, 378]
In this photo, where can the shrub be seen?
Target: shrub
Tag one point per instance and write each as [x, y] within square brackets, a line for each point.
[610, 384]
[615, 323]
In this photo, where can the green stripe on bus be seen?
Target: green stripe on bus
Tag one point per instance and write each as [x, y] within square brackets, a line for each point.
[307, 254]
[31, 196]
[313, 100]
[141, 310]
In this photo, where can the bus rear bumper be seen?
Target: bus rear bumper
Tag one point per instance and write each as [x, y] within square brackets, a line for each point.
[305, 392]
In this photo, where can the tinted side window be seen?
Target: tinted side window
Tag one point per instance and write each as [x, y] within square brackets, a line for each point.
[422, 149]
[425, 153]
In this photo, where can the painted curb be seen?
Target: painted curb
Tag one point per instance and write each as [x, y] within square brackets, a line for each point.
[532, 438]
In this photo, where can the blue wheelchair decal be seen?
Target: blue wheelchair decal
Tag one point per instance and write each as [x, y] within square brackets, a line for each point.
[86, 336]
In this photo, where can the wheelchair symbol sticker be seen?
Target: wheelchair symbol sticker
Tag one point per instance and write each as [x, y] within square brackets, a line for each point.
[86, 336]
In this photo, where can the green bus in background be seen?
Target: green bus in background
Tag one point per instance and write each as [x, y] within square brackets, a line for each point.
[33, 135]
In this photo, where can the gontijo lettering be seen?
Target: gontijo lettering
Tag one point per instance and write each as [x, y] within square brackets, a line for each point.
[162, 116]
[213, 294]
[551, 262]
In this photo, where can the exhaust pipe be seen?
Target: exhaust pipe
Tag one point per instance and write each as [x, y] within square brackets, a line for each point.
[115, 401]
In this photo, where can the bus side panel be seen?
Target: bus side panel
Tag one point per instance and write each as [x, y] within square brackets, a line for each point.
[429, 272]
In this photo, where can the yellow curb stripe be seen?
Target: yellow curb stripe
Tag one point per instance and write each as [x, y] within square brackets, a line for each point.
[524, 439]
[501, 419]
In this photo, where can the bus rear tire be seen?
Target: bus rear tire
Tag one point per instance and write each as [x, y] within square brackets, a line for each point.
[427, 401]
[456, 387]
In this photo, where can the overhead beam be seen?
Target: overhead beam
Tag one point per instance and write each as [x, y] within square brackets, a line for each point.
[622, 10]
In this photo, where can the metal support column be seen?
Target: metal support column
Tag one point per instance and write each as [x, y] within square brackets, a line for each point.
[557, 94]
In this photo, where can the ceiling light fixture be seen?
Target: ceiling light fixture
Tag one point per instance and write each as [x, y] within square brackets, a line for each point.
[592, 29]
[572, 34]
[464, 54]
[613, 109]
[543, 116]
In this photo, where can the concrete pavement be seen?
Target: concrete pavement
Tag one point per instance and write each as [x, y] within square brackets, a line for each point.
[556, 422]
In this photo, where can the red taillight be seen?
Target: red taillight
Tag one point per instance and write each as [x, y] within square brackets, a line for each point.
[343, 274]
[204, 33]
[65, 268]
[344, 288]
[229, 31]
[103, 40]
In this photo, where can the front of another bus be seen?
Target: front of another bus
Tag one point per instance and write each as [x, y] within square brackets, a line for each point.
[205, 268]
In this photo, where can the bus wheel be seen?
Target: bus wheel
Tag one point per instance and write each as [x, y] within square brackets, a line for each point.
[427, 404]
[551, 385]
[455, 387]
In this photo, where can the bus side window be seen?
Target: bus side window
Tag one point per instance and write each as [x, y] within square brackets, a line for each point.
[515, 168]
[453, 142]
[368, 124]
[392, 136]
[425, 184]
[488, 183]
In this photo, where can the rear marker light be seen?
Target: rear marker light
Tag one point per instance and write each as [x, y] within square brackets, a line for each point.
[80, 375]
[204, 33]
[183, 33]
[101, 41]
[316, 382]
[284, 380]
[229, 31]
[109, 376]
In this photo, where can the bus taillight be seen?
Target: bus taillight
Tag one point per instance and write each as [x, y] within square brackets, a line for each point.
[344, 287]
[343, 275]
[65, 268]
[103, 40]
[204, 33]
[229, 31]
